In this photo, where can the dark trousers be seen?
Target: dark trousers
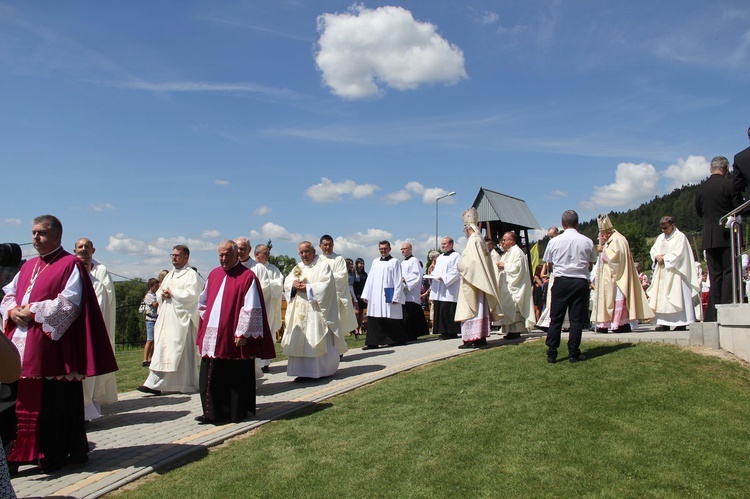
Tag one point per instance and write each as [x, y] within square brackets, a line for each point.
[443, 322]
[571, 295]
[719, 262]
[227, 388]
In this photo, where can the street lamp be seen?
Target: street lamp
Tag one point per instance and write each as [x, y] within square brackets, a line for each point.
[436, 215]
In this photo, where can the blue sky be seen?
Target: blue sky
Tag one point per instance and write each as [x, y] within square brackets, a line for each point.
[146, 124]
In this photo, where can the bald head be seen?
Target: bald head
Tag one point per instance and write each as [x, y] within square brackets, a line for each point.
[262, 253]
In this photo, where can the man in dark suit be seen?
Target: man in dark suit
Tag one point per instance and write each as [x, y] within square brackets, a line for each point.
[741, 171]
[714, 198]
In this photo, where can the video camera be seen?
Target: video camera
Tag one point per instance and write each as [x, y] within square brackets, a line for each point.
[10, 255]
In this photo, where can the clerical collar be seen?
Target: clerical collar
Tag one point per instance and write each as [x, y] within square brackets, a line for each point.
[49, 256]
[448, 252]
[385, 258]
[406, 258]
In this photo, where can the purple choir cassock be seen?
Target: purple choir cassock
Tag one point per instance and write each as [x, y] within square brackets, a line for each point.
[227, 372]
[66, 341]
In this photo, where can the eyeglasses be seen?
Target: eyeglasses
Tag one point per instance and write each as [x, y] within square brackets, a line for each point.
[176, 256]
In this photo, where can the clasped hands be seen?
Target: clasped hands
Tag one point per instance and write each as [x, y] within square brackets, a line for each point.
[22, 315]
[299, 285]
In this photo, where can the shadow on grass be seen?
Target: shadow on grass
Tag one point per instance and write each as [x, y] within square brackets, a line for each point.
[305, 410]
[598, 351]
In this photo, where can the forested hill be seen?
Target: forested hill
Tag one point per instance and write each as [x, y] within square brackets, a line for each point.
[641, 225]
[680, 203]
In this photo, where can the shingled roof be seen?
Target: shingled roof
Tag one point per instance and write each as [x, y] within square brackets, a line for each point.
[496, 207]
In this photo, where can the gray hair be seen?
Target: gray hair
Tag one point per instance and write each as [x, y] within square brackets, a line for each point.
[569, 219]
[229, 242]
[719, 163]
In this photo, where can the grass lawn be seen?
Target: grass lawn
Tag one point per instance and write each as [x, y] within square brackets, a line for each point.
[132, 373]
[641, 420]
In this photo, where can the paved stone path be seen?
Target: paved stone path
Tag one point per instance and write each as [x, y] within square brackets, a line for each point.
[141, 433]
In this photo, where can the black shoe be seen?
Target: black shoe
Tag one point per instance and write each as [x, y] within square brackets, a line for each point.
[680, 328]
[468, 345]
[602, 330]
[145, 363]
[265, 369]
[551, 359]
[625, 328]
[302, 379]
[146, 389]
[47, 465]
[662, 328]
[577, 358]
[370, 347]
[512, 336]
[203, 420]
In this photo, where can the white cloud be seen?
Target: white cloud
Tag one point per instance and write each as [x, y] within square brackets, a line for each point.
[200, 86]
[262, 210]
[120, 243]
[210, 234]
[329, 192]
[428, 194]
[633, 185]
[12, 221]
[686, 171]
[101, 207]
[490, 17]
[276, 232]
[557, 193]
[221, 182]
[193, 244]
[365, 47]
[397, 197]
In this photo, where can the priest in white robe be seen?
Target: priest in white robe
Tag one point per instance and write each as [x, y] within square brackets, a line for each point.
[233, 331]
[312, 340]
[675, 290]
[478, 304]
[174, 366]
[444, 291]
[384, 295]
[516, 298]
[99, 390]
[337, 263]
[272, 284]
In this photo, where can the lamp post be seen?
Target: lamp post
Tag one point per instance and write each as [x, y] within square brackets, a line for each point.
[436, 215]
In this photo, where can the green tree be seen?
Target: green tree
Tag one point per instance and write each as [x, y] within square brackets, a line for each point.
[130, 326]
[639, 247]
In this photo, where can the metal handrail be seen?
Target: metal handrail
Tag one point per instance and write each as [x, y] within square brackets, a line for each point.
[736, 248]
[734, 212]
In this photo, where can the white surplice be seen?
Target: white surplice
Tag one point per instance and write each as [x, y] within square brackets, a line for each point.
[99, 390]
[174, 365]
